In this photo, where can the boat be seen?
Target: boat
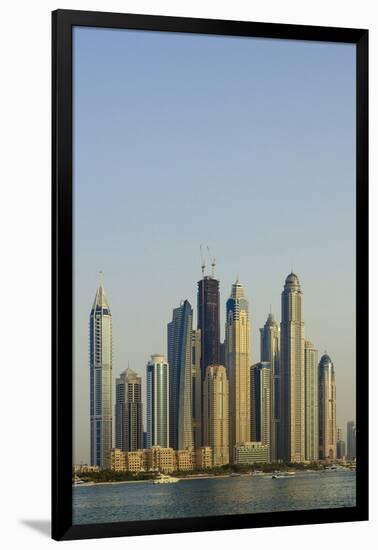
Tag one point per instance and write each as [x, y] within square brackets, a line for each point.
[280, 476]
[163, 478]
[78, 482]
[235, 474]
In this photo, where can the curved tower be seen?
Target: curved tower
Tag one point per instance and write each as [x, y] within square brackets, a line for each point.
[292, 429]
[100, 359]
[238, 365]
[180, 377]
[327, 408]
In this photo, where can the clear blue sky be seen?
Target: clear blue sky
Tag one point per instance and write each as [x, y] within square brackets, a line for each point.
[247, 145]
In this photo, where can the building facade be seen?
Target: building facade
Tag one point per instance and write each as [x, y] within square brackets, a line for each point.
[261, 409]
[204, 458]
[100, 360]
[216, 419]
[327, 408]
[251, 453]
[238, 365]
[351, 440]
[270, 352]
[196, 388]
[158, 401]
[340, 443]
[180, 377]
[128, 412]
[208, 321]
[292, 373]
[311, 403]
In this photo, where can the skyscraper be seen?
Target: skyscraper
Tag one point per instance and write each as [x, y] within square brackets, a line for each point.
[261, 407]
[292, 430]
[216, 427]
[311, 402]
[128, 412]
[157, 401]
[238, 365]
[100, 360]
[340, 443]
[180, 377]
[270, 352]
[208, 321]
[327, 408]
[196, 388]
[209, 325]
[351, 440]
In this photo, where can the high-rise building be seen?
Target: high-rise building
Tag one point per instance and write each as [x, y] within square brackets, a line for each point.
[340, 443]
[196, 388]
[292, 395]
[128, 412]
[208, 321]
[238, 365]
[327, 408]
[351, 440]
[100, 360]
[270, 352]
[180, 377]
[157, 401]
[216, 427]
[311, 402]
[261, 409]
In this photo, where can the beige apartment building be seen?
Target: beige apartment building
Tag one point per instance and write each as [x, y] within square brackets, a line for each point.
[292, 372]
[216, 419]
[204, 458]
[237, 353]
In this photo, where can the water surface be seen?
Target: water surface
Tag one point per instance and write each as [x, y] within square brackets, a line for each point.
[213, 496]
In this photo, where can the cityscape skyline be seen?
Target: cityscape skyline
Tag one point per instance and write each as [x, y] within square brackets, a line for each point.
[258, 161]
[230, 421]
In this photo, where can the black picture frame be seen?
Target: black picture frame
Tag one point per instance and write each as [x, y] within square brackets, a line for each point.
[62, 311]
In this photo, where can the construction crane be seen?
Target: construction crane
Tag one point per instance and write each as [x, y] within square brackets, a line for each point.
[212, 260]
[203, 263]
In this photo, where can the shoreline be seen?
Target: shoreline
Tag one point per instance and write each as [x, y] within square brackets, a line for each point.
[206, 476]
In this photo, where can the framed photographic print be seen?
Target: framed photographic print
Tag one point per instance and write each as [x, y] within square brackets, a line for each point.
[210, 274]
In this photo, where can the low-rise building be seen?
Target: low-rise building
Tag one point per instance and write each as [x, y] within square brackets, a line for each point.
[251, 452]
[85, 468]
[135, 461]
[184, 460]
[204, 458]
[161, 459]
[116, 460]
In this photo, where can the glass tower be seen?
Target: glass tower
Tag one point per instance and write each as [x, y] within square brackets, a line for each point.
[311, 402]
[100, 359]
[180, 377]
[208, 321]
[128, 412]
[158, 401]
[270, 352]
[327, 408]
[261, 407]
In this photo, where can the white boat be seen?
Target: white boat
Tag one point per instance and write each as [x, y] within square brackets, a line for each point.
[78, 482]
[162, 478]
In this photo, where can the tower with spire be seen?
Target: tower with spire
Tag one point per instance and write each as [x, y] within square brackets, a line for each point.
[100, 361]
[327, 408]
[237, 355]
[292, 372]
[270, 352]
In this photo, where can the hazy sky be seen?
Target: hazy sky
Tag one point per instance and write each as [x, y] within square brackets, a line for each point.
[247, 145]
